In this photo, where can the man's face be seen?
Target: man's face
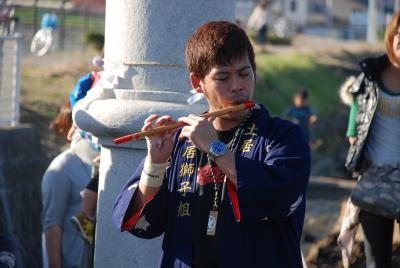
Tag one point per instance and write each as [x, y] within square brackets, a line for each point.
[229, 85]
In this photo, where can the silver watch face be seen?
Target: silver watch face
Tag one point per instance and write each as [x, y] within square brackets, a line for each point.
[218, 148]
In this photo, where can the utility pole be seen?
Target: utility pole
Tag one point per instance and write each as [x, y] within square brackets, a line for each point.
[62, 25]
[372, 24]
[35, 17]
[329, 6]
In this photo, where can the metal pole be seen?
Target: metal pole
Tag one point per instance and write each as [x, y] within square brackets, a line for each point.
[19, 43]
[62, 25]
[35, 16]
[329, 6]
[396, 6]
[2, 82]
[86, 19]
[372, 27]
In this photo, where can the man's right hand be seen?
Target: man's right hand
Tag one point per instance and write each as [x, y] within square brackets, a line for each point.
[159, 146]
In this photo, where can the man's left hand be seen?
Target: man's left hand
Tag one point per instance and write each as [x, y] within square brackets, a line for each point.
[200, 131]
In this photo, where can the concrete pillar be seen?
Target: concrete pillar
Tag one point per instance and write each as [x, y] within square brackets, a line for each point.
[372, 25]
[144, 67]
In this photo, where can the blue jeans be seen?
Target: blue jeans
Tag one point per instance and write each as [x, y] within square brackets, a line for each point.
[262, 35]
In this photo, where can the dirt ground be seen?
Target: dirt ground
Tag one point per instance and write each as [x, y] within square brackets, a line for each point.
[46, 84]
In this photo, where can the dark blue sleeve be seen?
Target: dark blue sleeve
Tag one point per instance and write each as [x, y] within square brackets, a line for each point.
[275, 186]
[287, 113]
[152, 220]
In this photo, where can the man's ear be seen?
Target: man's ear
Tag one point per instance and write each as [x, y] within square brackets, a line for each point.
[196, 83]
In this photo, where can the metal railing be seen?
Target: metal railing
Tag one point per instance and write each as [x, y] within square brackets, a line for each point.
[11, 47]
[73, 24]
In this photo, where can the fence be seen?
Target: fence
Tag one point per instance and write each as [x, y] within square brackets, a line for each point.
[10, 76]
[22, 165]
[72, 25]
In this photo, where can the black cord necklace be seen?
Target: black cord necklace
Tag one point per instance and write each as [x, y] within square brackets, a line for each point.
[232, 146]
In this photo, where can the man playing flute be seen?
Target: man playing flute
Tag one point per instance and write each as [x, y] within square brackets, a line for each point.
[225, 191]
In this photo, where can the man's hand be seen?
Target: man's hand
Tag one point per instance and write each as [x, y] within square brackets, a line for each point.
[159, 146]
[200, 131]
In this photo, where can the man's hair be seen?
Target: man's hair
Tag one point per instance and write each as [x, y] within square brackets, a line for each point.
[391, 32]
[217, 43]
[63, 122]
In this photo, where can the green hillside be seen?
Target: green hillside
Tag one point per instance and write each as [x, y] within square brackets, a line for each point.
[279, 76]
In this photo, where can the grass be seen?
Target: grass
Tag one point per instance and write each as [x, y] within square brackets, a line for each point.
[280, 76]
[272, 39]
[44, 90]
[78, 21]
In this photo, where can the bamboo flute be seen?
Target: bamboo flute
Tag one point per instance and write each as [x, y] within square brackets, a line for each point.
[139, 135]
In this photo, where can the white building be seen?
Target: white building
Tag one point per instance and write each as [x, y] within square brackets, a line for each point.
[343, 18]
[306, 12]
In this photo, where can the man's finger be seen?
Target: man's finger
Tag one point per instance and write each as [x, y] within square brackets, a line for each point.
[185, 132]
[147, 126]
[196, 117]
[151, 118]
[163, 120]
[211, 119]
[188, 120]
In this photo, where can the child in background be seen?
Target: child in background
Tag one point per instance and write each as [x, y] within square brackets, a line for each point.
[84, 220]
[62, 183]
[301, 113]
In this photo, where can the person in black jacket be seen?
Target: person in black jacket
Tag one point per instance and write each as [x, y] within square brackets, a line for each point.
[373, 133]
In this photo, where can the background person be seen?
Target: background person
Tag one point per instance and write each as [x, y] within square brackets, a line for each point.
[49, 20]
[258, 22]
[85, 219]
[301, 113]
[373, 132]
[64, 179]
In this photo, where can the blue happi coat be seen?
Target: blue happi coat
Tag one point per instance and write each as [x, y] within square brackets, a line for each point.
[272, 166]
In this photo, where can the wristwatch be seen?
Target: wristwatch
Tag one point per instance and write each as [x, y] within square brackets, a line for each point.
[217, 149]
